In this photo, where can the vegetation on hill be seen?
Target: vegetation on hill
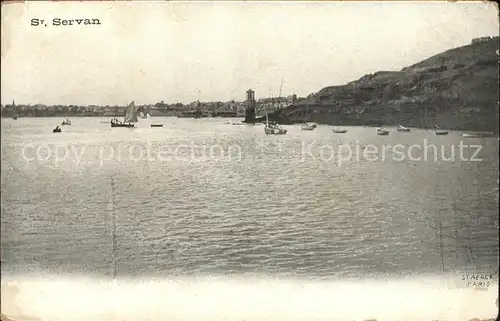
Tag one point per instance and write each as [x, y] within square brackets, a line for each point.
[457, 89]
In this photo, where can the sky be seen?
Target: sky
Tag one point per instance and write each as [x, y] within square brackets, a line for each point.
[214, 51]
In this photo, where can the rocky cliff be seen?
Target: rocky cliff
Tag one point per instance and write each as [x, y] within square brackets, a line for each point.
[457, 89]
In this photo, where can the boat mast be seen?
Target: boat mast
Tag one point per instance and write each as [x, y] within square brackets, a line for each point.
[272, 101]
[281, 90]
[125, 115]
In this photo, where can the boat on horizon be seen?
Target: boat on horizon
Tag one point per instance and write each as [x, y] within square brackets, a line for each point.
[129, 119]
[401, 128]
[156, 125]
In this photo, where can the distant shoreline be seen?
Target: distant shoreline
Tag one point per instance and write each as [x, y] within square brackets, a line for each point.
[110, 116]
[114, 116]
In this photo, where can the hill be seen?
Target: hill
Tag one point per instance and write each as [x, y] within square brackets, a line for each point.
[457, 89]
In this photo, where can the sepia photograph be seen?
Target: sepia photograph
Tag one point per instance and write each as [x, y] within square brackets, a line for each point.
[249, 160]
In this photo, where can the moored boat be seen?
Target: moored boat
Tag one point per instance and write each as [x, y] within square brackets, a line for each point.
[382, 132]
[156, 125]
[273, 129]
[439, 131]
[339, 131]
[66, 122]
[401, 128]
[57, 130]
[117, 123]
[478, 134]
[306, 126]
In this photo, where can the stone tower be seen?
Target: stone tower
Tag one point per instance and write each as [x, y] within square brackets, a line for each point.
[250, 107]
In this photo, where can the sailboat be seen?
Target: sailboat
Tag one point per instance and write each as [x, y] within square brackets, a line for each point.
[129, 118]
[440, 131]
[273, 128]
[66, 122]
[306, 126]
[145, 115]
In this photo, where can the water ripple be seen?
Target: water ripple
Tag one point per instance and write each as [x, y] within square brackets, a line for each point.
[265, 211]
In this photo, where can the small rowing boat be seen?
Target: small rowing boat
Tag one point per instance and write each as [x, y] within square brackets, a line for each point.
[382, 132]
[440, 132]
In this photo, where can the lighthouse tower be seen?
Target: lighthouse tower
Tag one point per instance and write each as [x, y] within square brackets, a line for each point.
[250, 107]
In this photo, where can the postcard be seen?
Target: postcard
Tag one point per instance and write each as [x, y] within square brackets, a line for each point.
[249, 160]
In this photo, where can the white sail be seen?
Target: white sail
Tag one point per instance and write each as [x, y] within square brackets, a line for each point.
[142, 114]
[131, 114]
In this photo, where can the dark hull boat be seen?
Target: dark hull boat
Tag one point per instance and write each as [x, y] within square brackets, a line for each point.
[57, 130]
[382, 132]
[156, 125]
[129, 119]
[117, 123]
